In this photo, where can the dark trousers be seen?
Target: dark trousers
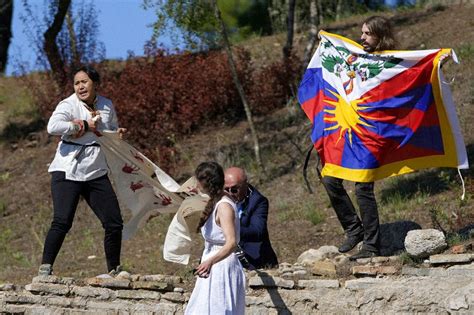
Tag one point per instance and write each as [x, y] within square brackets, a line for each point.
[101, 197]
[347, 214]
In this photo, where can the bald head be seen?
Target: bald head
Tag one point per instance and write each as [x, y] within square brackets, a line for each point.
[236, 183]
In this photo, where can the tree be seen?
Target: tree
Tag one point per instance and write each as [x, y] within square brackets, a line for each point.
[64, 37]
[194, 22]
[313, 32]
[238, 85]
[290, 29]
[50, 46]
[6, 13]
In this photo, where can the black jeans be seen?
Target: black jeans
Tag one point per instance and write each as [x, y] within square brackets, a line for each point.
[347, 214]
[101, 197]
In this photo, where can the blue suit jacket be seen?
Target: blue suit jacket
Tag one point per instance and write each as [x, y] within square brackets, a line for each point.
[254, 238]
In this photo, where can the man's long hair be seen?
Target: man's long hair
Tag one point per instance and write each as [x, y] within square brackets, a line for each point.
[211, 176]
[381, 28]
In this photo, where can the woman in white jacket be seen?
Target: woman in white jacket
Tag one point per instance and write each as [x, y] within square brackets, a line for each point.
[79, 168]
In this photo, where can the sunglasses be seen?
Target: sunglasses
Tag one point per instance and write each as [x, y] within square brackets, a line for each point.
[234, 189]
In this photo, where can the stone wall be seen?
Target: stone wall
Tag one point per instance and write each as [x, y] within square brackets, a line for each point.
[442, 286]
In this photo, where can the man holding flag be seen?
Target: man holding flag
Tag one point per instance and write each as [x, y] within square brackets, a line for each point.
[376, 113]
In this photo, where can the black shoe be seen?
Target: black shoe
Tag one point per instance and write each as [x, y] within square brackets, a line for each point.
[350, 243]
[364, 253]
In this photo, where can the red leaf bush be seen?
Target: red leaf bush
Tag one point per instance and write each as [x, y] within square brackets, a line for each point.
[164, 96]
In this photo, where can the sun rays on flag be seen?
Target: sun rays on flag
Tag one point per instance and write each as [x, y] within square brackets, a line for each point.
[346, 115]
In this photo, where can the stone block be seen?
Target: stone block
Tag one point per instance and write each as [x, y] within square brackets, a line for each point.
[271, 282]
[317, 284]
[138, 294]
[54, 279]
[412, 271]
[7, 287]
[364, 283]
[300, 274]
[161, 278]
[284, 265]
[152, 285]
[108, 283]
[311, 256]
[117, 305]
[438, 272]
[48, 288]
[287, 275]
[461, 270]
[174, 297]
[423, 243]
[58, 301]
[360, 271]
[286, 270]
[450, 258]
[22, 299]
[324, 268]
[99, 293]
[168, 309]
[364, 261]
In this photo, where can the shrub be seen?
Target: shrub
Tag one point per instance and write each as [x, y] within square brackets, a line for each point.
[163, 96]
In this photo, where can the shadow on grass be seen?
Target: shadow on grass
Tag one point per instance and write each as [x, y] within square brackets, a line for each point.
[429, 183]
[15, 131]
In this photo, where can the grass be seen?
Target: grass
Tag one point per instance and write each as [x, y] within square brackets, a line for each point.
[3, 207]
[406, 259]
[465, 51]
[15, 100]
[454, 239]
[303, 210]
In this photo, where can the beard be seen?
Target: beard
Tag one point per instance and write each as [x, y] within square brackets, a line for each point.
[367, 47]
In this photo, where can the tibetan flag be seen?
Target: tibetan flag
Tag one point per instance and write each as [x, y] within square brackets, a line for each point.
[381, 114]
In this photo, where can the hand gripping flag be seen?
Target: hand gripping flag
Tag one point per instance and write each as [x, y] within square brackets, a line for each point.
[382, 114]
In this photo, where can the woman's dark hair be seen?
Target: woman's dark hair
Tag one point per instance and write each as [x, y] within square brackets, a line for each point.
[381, 28]
[211, 177]
[90, 71]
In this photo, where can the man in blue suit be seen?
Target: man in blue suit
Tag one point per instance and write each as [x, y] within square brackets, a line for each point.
[252, 208]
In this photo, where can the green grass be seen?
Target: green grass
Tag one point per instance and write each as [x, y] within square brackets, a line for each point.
[406, 259]
[454, 239]
[465, 51]
[399, 207]
[15, 100]
[302, 210]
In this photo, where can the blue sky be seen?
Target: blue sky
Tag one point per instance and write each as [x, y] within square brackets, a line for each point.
[124, 26]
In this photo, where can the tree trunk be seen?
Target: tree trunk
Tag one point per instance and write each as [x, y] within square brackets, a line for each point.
[6, 13]
[313, 32]
[320, 12]
[238, 85]
[73, 38]
[51, 48]
[290, 29]
[338, 10]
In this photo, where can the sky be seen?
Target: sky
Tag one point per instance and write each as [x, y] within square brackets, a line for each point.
[124, 26]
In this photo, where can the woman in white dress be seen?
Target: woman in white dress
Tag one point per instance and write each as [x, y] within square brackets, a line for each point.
[220, 286]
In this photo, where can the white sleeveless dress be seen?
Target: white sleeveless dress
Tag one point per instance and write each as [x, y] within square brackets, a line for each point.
[223, 292]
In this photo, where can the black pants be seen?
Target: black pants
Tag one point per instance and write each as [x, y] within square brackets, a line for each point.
[347, 215]
[101, 197]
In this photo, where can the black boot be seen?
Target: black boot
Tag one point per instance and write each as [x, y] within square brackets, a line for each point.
[350, 243]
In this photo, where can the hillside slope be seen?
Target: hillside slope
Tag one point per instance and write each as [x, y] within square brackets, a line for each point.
[297, 221]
